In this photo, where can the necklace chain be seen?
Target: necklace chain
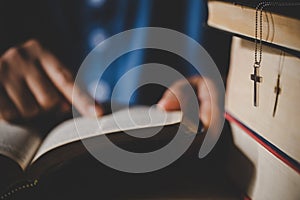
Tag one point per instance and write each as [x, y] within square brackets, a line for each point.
[281, 62]
[259, 8]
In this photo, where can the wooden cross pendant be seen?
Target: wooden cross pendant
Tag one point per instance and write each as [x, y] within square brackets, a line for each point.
[277, 91]
[256, 79]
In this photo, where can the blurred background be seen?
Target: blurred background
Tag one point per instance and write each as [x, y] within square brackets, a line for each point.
[71, 29]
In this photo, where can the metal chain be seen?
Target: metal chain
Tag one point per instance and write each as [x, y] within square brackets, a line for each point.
[281, 62]
[259, 8]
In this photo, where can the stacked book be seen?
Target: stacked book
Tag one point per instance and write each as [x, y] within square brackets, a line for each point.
[262, 95]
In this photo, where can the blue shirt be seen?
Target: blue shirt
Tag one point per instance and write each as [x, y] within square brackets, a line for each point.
[71, 29]
[124, 15]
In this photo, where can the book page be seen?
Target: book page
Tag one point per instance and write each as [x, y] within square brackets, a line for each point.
[18, 143]
[123, 120]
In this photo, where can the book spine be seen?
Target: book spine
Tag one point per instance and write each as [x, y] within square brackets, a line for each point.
[292, 163]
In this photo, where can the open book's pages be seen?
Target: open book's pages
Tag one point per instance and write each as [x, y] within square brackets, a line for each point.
[123, 120]
[18, 143]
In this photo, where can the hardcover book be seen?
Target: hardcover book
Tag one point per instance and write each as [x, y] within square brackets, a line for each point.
[26, 155]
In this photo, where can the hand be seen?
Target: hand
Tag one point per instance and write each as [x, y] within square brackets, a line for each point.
[34, 81]
[207, 95]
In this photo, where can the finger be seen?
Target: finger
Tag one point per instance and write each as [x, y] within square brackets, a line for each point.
[15, 86]
[176, 97]
[42, 88]
[8, 111]
[208, 97]
[169, 101]
[22, 98]
[205, 113]
[65, 107]
[63, 80]
[205, 103]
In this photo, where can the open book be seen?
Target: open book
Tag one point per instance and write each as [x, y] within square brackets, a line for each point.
[34, 155]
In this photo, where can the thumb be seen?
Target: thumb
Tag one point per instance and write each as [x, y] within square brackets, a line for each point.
[169, 101]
